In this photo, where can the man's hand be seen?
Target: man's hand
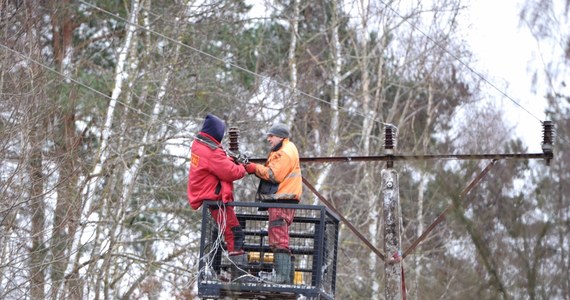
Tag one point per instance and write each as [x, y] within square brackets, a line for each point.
[250, 168]
[239, 158]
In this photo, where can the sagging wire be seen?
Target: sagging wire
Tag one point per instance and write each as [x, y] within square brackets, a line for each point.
[471, 69]
[299, 91]
[239, 67]
[224, 61]
[459, 60]
[97, 92]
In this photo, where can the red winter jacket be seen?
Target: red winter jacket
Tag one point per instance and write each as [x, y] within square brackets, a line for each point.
[212, 172]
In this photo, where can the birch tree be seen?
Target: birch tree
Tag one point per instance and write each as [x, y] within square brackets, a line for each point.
[400, 91]
[335, 76]
[368, 122]
[104, 98]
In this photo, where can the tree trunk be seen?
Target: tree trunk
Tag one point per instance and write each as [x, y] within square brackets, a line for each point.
[67, 208]
[37, 207]
[335, 71]
[292, 59]
[66, 214]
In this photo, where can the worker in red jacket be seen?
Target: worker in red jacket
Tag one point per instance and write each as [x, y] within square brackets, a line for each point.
[211, 177]
[280, 182]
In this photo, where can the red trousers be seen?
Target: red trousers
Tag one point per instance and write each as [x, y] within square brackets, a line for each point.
[228, 224]
[279, 221]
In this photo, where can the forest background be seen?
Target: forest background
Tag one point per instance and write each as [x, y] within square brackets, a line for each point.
[101, 99]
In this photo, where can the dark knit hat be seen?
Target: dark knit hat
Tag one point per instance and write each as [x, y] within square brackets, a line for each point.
[280, 130]
[214, 126]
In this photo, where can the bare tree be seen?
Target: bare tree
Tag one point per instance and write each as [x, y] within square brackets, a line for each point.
[103, 100]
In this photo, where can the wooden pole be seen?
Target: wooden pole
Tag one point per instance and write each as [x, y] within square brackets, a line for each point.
[391, 214]
[390, 195]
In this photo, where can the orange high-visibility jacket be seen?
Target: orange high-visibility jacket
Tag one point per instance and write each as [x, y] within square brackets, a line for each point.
[281, 174]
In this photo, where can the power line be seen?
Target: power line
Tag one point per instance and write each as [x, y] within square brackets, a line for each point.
[461, 62]
[218, 59]
[246, 70]
[73, 80]
[483, 78]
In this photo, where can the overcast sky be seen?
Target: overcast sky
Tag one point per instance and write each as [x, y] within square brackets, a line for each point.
[507, 56]
[508, 53]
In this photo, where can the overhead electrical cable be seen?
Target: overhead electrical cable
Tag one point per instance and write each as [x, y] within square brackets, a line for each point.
[461, 62]
[479, 75]
[244, 69]
[27, 57]
[259, 75]
[218, 59]
[379, 253]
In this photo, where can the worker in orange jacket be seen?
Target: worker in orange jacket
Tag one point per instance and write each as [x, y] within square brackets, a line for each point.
[280, 182]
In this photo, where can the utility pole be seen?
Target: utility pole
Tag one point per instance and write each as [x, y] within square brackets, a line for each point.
[394, 279]
[390, 190]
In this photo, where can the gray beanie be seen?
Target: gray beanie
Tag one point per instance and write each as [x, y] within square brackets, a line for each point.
[280, 130]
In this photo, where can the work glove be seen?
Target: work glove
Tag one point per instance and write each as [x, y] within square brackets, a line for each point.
[250, 168]
[239, 158]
